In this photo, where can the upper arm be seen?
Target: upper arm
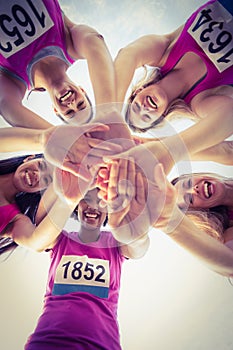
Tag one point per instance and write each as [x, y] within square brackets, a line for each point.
[47, 200]
[215, 126]
[11, 107]
[19, 229]
[80, 36]
[148, 49]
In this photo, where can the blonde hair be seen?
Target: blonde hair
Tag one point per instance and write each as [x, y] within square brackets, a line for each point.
[213, 221]
[177, 109]
[210, 223]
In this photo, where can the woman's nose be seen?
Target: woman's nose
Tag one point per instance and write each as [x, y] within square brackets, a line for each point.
[195, 189]
[71, 103]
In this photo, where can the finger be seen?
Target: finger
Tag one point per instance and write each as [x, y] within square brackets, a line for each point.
[160, 177]
[140, 190]
[104, 173]
[131, 171]
[76, 169]
[115, 219]
[113, 180]
[109, 159]
[122, 177]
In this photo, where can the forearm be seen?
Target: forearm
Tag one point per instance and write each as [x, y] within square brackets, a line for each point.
[136, 249]
[20, 139]
[125, 66]
[48, 199]
[45, 234]
[221, 153]
[119, 131]
[211, 252]
[101, 69]
[19, 116]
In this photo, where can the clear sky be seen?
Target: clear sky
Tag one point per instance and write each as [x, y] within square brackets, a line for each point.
[168, 300]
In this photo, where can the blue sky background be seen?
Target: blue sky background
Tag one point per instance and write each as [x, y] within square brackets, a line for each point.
[168, 300]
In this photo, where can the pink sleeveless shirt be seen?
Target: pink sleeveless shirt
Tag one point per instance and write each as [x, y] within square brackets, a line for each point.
[209, 34]
[29, 31]
[7, 213]
[80, 310]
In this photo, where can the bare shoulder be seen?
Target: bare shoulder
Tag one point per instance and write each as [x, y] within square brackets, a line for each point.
[209, 97]
[76, 35]
[11, 85]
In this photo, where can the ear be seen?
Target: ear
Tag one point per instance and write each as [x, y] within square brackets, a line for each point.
[29, 158]
[55, 110]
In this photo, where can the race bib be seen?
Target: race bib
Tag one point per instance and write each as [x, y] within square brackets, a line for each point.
[82, 274]
[21, 23]
[212, 29]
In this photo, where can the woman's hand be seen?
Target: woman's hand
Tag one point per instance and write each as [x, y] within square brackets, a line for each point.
[69, 188]
[128, 215]
[72, 148]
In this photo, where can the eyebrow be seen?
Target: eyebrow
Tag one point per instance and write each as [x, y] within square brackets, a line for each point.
[42, 165]
[135, 107]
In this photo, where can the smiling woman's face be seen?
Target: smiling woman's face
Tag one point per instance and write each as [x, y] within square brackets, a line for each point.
[200, 192]
[71, 103]
[33, 175]
[148, 106]
[90, 214]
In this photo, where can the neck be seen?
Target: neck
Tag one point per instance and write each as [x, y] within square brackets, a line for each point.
[48, 71]
[86, 235]
[173, 84]
[7, 188]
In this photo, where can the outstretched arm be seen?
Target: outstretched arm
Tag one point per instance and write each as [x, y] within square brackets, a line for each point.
[88, 44]
[213, 253]
[69, 190]
[128, 217]
[147, 50]
[64, 146]
[221, 153]
[12, 109]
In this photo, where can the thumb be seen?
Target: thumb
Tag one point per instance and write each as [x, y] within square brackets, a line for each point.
[77, 170]
[159, 176]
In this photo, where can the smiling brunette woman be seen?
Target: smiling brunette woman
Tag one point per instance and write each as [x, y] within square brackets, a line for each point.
[26, 174]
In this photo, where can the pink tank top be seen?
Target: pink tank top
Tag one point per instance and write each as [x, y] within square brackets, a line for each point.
[7, 213]
[30, 29]
[80, 309]
[209, 34]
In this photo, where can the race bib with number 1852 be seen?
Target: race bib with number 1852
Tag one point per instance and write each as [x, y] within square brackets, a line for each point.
[82, 274]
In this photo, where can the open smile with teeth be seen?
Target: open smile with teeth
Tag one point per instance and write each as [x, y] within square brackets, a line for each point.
[65, 97]
[28, 179]
[208, 189]
[91, 215]
[151, 102]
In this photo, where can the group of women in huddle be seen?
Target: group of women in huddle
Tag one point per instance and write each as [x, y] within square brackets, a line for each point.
[97, 170]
